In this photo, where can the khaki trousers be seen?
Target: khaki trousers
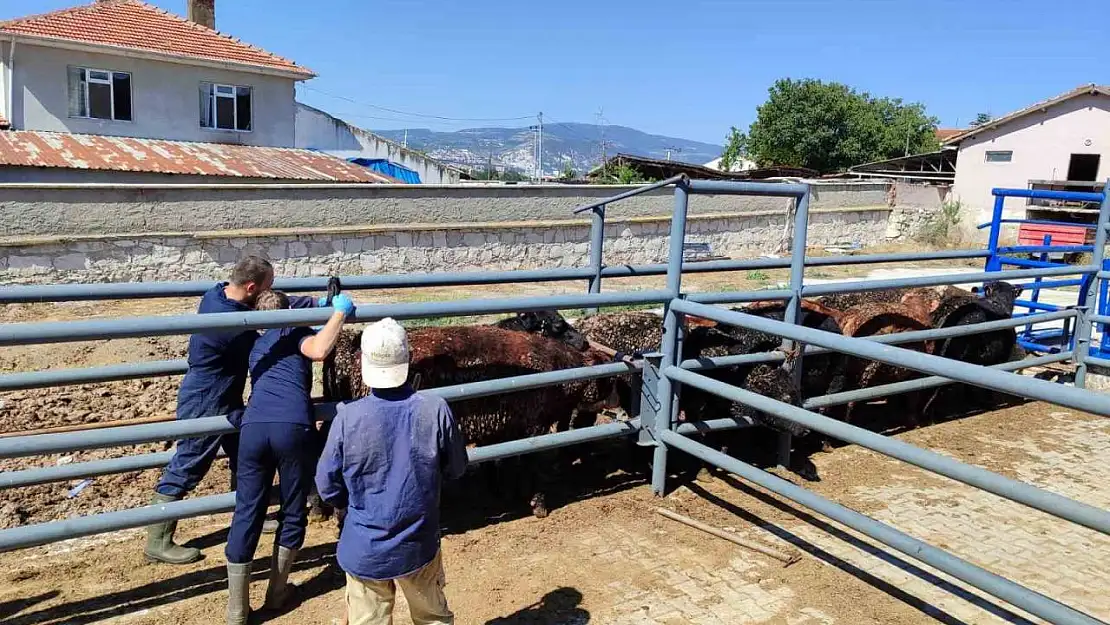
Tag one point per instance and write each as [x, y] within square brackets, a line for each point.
[371, 603]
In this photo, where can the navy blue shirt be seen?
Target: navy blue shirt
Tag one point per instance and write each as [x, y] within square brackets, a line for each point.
[281, 379]
[384, 461]
[217, 373]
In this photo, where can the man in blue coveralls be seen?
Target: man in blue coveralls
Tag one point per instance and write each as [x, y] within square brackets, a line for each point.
[213, 386]
[384, 461]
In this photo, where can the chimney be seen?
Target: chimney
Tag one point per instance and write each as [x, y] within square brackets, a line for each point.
[203, 12]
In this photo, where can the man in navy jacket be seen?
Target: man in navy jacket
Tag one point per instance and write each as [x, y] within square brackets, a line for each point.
[213, 386]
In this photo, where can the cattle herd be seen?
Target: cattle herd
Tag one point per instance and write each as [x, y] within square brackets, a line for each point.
[537, 342]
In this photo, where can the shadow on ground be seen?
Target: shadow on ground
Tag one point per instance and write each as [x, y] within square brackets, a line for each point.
[558, 607]
[167, 591]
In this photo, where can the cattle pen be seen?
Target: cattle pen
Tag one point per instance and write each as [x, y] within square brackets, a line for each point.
[662, 374]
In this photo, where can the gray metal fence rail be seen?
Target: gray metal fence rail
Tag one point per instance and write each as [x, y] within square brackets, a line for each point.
[662, 375]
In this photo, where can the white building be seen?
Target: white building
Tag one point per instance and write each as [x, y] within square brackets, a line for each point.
[317, 130]
[121, 90]
[1061, 140]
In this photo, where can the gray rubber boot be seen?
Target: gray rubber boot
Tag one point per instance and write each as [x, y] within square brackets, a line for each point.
[270, 526]
[279, 589]
[159, 539]
[238, 593]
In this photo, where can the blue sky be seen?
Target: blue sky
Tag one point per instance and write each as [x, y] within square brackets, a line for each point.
[688, 69]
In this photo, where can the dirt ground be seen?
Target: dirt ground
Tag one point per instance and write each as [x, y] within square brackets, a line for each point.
[603, 556]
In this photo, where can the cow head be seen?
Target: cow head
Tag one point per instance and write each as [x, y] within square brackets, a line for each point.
[548, 323]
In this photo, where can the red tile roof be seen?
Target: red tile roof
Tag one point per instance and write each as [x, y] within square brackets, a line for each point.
[136, 25]
[26, 148]
[944, 134]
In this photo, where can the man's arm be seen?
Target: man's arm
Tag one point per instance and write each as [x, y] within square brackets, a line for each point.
[452, 448]
[329, 471]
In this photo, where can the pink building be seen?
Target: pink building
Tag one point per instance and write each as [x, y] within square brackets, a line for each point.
[1063, 142]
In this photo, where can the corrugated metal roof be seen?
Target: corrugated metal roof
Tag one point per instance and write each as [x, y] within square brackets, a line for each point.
[54, 149]
[139, 26]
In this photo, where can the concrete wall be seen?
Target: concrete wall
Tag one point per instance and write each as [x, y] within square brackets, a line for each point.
[53, 210]
[1042, 143]
[360, 250]
[81, 233]
[165, 98]
[318, 130]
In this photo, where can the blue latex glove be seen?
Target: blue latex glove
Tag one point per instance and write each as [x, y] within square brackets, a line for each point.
[322, 302]
[344, 304]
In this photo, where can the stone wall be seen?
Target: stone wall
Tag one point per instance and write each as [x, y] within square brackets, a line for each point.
[84, 209]
[420, 248]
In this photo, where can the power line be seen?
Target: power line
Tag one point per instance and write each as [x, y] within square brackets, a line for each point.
[411, 114]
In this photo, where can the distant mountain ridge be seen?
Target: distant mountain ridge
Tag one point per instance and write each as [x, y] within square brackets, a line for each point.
[578, 144]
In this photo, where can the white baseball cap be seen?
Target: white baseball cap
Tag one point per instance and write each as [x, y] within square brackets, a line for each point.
[385, 354]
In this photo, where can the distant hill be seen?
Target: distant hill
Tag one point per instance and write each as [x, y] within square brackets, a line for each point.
[577, 143]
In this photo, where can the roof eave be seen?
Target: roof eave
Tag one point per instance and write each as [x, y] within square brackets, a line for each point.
[1091, 89]
[182, 59]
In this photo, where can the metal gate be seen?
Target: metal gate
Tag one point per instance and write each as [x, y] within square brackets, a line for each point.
[662, 374]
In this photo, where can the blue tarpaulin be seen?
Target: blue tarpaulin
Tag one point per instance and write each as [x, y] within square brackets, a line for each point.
[389, 168]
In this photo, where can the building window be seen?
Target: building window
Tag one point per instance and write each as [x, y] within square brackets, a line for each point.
[225, 107]
[1002, 156]
[99, 94]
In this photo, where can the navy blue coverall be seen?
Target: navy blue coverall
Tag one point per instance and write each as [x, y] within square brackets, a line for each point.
[212, 386]
[278, 434]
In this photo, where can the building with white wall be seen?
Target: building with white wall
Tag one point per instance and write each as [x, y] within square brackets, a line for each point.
[317, 130]
[121, 90]
[1064, 139]
[126, 68]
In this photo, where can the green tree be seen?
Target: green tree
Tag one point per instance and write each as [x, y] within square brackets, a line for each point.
[830, 127]
[736, 148]
[980, 119]
[568, 172]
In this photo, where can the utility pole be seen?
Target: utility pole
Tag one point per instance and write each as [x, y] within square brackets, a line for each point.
[601, 145]
[405, 143]
[539, 157]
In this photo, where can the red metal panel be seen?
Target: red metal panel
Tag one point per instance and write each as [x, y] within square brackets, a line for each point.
[1033, 234]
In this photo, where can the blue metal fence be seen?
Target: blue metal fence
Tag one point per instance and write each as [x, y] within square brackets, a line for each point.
[661, 375]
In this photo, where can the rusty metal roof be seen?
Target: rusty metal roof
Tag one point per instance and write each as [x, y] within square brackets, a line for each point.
[28, 148]
[136, 25]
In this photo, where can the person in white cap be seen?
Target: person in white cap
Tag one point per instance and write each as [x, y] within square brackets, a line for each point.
[383, 464]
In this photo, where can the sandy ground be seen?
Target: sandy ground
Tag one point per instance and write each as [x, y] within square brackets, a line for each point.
[603, 556]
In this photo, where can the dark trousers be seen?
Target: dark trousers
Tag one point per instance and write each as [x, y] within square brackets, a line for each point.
[264, 449]
[193, 457]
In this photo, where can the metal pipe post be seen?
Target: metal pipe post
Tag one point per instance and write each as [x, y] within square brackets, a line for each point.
[960, 278]
[672, 328]
[1088, 294]
[597, 243]
[793, 312]
[68, 331]
[679, 179]
[1010, 592]
[993, 263]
